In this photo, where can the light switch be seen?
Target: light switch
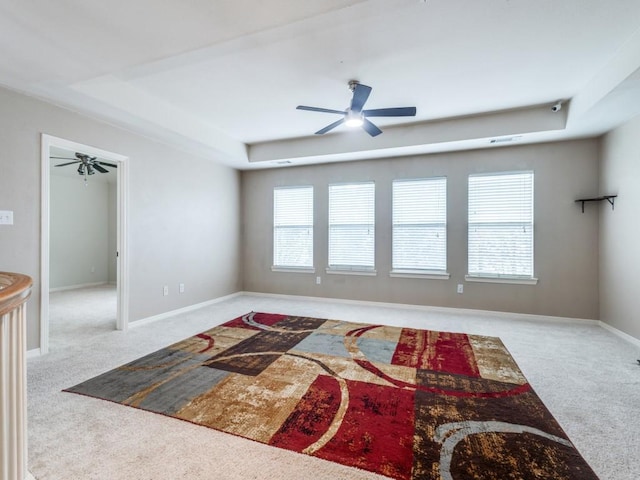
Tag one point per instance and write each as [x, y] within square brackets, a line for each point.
[6, 217]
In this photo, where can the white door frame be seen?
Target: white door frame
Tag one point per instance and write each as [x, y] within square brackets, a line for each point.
[122, 276]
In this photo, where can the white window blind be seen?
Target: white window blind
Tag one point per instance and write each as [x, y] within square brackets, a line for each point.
[501, 225]
[293, 227]
[420, 225]
[352, 226]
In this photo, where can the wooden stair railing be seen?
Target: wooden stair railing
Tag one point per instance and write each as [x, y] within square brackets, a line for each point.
[14, 292]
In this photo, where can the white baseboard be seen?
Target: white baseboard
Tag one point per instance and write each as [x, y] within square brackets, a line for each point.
[190, 308]
[75, 287]
[620, 333]
[453, 310]
[36, 352]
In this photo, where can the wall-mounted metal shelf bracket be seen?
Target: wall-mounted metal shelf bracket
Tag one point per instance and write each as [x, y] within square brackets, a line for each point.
[608, 198]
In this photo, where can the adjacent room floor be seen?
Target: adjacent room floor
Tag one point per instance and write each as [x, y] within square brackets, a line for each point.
[80, 315]
[587, 377]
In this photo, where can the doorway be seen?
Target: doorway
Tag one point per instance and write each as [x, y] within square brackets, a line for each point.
[110, 268]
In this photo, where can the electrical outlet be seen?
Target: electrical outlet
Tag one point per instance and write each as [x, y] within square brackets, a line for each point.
[165, 290]
[6, 217]
[93, 269]
[318, 280]
[460, 288]
[181, 288]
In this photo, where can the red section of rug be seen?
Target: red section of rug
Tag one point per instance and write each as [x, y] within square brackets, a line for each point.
[437, 351]
[210, 341]
[312, 417]
[268, 319]
[376, 433]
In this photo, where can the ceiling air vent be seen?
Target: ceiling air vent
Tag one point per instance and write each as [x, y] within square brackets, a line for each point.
[505, 139]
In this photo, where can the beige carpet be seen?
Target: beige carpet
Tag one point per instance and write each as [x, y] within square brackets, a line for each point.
[586, 376]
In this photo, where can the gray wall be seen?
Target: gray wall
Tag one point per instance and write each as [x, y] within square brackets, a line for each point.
[184, 211]
[185, 225]
[620, 229]
[566, 241]
[79, 231]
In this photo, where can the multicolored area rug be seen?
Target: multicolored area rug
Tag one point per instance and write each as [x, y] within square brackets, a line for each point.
[405, 403]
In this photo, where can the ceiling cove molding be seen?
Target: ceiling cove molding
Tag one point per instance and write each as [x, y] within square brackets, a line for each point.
[621, 67]
[411, 138]
[126, 97]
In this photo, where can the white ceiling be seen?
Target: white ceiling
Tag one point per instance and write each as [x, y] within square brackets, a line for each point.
[222, 78]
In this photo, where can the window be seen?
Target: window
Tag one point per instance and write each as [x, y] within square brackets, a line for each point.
[293, 228]
[352, 227]
[501, 226]
[420, 226]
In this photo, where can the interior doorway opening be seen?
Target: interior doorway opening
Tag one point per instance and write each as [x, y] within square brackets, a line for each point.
[84, 234]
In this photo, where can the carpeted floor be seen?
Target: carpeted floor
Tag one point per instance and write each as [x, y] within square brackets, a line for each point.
[586, 376]
[80, 315]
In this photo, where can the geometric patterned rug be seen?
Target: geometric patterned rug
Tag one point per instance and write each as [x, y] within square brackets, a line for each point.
[401, 402]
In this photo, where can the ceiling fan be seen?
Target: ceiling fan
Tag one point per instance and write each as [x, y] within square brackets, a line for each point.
[88, 165]
[355, 116]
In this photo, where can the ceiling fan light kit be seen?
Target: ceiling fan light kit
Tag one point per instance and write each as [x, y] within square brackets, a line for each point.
[85, 169]
[353, 119]
[355, 116]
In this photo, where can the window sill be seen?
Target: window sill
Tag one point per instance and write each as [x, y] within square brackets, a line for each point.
[424, 274]
[511, 280]
[293, 269]
[345, 271]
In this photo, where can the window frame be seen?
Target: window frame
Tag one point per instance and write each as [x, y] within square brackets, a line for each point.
[489, 277]
[416, 271]
[293, 268]
[351, 269]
